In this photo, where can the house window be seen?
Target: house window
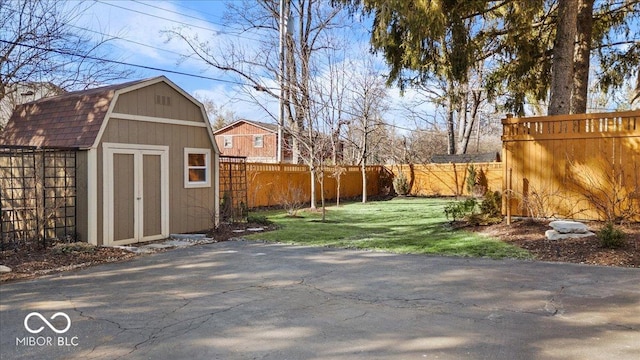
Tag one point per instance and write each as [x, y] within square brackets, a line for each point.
[228, 141]
[258, 141]
[197, 168]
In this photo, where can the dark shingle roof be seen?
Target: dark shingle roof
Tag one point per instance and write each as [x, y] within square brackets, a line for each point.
[70, 120]
[465, 158]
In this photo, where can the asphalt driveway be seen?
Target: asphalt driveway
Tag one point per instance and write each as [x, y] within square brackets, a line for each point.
[247, 300]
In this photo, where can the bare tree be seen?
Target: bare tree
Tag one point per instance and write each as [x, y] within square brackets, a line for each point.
[311, 21]
[218, 115]
[39, 43]
[367, 104]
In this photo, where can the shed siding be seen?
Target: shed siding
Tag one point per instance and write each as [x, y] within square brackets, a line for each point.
[158, 100]
[189, 209]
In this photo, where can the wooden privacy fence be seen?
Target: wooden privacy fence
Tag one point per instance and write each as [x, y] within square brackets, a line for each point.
[277, 184]
[449, 179]
[584, 166]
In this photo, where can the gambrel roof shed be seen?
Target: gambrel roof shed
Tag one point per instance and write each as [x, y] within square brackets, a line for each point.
[145, 150]
[74, 119]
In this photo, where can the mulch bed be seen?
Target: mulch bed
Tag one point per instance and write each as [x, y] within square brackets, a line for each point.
[32, 261]
[529, 234]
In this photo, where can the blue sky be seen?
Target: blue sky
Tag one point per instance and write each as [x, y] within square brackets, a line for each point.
[138, 27]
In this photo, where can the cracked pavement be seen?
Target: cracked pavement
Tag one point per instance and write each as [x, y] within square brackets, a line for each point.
[249, 300]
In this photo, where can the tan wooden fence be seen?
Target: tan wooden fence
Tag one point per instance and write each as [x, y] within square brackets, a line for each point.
[449, 179]
[575, 166]
[583, 166]
[277, 184]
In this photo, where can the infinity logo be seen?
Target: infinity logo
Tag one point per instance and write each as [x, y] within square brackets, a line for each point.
[37, 331]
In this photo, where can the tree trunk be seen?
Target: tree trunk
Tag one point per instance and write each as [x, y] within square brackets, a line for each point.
[363, 169]
[636, 95]
[582, 55]
[475, 105]
[312, 170]
[324, 209]
[563, 54]
[451, 137]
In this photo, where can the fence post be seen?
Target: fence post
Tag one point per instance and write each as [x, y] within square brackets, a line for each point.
[509, 184]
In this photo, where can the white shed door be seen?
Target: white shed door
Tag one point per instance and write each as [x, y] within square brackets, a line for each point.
[136, 184]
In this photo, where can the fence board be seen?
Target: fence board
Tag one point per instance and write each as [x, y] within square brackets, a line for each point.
[582, 166]
[447, 179]
[275, 184]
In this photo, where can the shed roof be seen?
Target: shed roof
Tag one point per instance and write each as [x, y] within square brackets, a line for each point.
[71, 120]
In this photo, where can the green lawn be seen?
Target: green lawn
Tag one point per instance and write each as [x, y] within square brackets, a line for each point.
[402, 225]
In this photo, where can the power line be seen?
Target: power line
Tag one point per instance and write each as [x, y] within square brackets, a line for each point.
[216, 32]
[68, 53]
[113, 37]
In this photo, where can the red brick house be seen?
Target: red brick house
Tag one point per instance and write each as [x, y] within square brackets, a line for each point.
[257, 141]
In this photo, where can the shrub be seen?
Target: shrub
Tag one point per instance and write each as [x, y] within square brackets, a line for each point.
[401, 184]
[460, 209]
[611, 237]
[492, 204]
[471, 179]
[291, 198]
[259, 219]
[76, 247]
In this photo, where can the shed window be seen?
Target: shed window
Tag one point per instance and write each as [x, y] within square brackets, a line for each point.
[258, 141]
[228, 142]
[197, 167]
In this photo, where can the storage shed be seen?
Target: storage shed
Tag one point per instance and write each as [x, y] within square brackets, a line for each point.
[147, 160]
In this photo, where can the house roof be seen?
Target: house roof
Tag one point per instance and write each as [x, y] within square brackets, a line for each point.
[71, 120]
[266, 126]
[465, 158]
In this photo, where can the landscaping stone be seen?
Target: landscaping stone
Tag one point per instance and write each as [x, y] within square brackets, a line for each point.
[4, 269]
[256, 229]
[188, 236]
[569, 227]
[135, 250]
[555, 235]
[157, 246]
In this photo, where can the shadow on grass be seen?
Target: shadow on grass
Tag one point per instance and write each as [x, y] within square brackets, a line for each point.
[399, 226]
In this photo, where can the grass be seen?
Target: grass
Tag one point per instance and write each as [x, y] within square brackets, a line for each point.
[402, 225]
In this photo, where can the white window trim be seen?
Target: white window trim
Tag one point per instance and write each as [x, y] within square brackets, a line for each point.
[254, 141]
[224, 141]
[207, 166]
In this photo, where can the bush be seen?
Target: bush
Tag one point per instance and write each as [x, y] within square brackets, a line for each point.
[259, 219]
[471, 179]
[401, 184]
[491, 206]
[460, 209]
[611, 237]
[76, 247]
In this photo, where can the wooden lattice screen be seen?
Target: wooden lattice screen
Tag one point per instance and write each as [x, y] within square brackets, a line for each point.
[37, 196]
[233, 189]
